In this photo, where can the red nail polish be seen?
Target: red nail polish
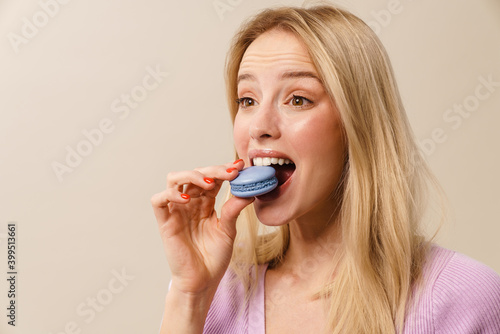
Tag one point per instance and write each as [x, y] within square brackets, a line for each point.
[208, 180]
[229, 170]
[237, 161]
[185, 196]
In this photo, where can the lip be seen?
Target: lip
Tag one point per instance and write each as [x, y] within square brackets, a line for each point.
[262, 153]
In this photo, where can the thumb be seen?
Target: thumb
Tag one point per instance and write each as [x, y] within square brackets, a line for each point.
[230, 212]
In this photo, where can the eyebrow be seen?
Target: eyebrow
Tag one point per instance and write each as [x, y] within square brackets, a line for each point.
[300, 74]
[245, 76]
[286, 75]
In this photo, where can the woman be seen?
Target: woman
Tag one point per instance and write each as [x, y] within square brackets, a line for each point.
[344, 255]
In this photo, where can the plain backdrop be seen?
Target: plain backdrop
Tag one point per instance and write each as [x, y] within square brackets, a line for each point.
[89, 257]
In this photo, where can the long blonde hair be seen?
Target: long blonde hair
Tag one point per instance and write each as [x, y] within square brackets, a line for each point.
[385, 179]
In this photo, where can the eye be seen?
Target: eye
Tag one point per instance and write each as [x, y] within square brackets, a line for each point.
[246, 102]
[300, 101]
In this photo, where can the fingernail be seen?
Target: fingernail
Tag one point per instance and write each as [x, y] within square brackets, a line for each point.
[239, 160]
[229, 170]
[208, 180]
[185, 196]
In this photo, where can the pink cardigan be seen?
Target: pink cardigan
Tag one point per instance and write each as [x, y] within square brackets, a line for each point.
[460, 295]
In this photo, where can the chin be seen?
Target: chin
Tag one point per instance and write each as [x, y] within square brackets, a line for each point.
[271, 217]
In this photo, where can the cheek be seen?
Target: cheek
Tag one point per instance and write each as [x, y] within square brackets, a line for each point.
[240, 135]
[320, 138]
[324, 148]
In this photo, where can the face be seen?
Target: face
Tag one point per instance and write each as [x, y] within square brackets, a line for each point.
[287, 120]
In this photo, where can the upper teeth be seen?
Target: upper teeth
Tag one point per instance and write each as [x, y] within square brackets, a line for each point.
[270, 161]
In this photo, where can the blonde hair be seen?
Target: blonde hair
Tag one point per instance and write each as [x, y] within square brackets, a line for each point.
[384, 182]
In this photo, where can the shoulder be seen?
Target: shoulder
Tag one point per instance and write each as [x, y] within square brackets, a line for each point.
[457, 294]
[457, 278]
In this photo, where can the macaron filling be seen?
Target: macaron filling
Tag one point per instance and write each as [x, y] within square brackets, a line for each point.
[254, 186]
[254, 181]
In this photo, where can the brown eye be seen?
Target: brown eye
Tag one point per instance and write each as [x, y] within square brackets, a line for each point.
[246, 102]
[297, 101]
[300, 101]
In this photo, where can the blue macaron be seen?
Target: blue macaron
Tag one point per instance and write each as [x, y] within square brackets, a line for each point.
[254, 181]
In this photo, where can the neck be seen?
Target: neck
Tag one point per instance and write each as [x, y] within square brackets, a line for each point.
[313, 245]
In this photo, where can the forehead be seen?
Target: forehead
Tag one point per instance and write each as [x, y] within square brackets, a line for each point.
[276, 48]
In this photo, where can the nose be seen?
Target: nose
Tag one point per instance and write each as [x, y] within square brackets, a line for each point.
[265, 123]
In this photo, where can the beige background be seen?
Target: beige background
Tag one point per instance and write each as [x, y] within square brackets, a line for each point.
[74, 235]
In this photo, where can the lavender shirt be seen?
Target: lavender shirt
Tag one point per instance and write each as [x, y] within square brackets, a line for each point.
[460, 295]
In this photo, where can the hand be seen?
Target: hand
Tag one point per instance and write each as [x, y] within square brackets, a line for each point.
[197, 243]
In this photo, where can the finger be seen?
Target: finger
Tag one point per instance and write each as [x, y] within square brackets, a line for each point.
[219, 174]
[204, 181]
[230, 212]
[161, 201]
[179, 179]
[240, 164]
[194, 191]
[226, 172]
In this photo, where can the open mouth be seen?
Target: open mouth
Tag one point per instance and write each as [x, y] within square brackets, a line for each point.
[284, 167]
